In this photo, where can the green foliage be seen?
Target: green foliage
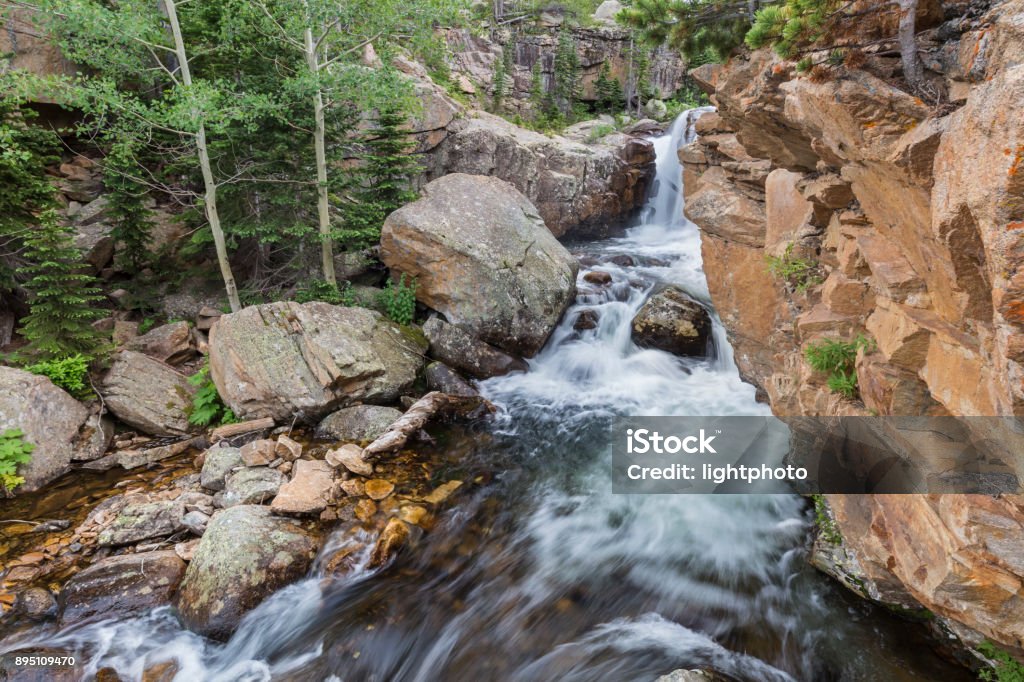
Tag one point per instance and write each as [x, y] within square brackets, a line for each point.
[823, 521]
[207, 406]
[14, 450]
[567, 73]
[62, 299]
[703, 30]
[132, 221]
[789, 25]
[70, 373]
[319, 290]
[399, 300]
[608, 91]
[499, 85]
[599, 131]
[1006, 669]
[798, 272]
[836, 358]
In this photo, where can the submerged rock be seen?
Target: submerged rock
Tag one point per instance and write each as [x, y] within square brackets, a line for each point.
[672, 321]
[121, 585]
[357, 423]
[246, 554]
[309, 491]
[483, 258]
[286, 359]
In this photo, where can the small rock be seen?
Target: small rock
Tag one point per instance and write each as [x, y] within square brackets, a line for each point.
[121, 585]
[35, 603]
[207, 317]
[350, 457]
[143, 521]
[412, 513]
[287, 448]
[394, 536]
[353, 487]
[220, 461]
[357, 423]
[598, 277]
[285, 468]
[160, 672]
[308, 492]
[259, 453]
[186, 550]
[623, 260]
[252, 485]
[124, 332]
[378, 488]
[195, 522]
[441, 377]
[442, 492]
[587, 319]
[170, 343]
[196, 501]
[673, 322]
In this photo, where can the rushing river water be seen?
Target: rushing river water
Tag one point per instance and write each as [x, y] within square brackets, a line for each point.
[539, 572]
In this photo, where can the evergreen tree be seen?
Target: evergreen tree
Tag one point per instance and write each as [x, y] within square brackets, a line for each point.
[131, 220]
[567, 73]
[390, 167]
[539, 100]
[62, 299]
[607, 90]
[694, 27]
[502, 70]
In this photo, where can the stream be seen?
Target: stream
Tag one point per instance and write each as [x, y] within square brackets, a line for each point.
[539, 572]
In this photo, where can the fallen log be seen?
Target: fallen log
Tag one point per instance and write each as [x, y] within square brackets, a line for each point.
[230, 430]
[434, 405]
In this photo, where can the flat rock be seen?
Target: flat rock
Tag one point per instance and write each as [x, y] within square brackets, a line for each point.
[309, 491]
[252, 485]
[350, 457]
[357, 423]
[120, 586]
[143, 521]
[148, 395]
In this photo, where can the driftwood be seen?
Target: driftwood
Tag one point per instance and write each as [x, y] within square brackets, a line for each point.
[434, 405]
[229, 430]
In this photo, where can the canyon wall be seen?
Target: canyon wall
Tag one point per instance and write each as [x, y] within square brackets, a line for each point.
[911, 217]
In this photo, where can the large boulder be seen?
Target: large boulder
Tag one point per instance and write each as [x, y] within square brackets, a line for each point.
[57, 425]
[672, 321]
[481, 255]
[148, 395]
[121, 585]
[480, 360]
[577, 188]
[287, 359]
[246, 554]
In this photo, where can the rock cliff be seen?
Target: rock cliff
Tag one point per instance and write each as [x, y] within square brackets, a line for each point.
[901, 222]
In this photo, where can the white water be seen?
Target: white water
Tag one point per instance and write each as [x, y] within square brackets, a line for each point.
[545, 574]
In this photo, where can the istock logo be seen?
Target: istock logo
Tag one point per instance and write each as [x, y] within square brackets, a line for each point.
[643, 441]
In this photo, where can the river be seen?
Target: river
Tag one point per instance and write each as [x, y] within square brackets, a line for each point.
[539, 572]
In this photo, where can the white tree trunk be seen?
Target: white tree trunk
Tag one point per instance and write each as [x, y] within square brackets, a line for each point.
[210, 200]
[908, 45]
[319, 144]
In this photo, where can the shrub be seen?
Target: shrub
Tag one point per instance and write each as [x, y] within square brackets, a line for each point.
[1006, 669]
[70, 373]
[14, 450]
[207, 406]
[836, 358]
[399, 300]
[599, 131]
[799, 272]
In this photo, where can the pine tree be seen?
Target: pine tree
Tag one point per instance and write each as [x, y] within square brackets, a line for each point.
[539, 100]
[131, 220]
[694, 27]
[567, 73]
[62, 299]
[502, 70]
[607, 90]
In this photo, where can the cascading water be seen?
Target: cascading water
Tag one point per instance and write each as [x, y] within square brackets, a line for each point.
[540, 572]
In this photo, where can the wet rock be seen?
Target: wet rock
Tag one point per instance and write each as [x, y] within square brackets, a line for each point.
[143, 521]
[171, 343]
[10, 671]
[286, 359]
[259, 453]
[351, 458]
[505, 279]
[365, 509]
[50, 419]
[353, 487]
[161, 672]
[688, 676]
[196, 522]
[394, 536]
[671, 321]
[587, 319]
[442, 492]
[148, 394]
[34, 603]
[220, 461]
[458, 349]
[413, 513]
[309, 491]
[246, 554]
[121, 585]
[357, 423]
[252, 486]
[378, 488]
[441, 377]
[623, 260]
[599, 277]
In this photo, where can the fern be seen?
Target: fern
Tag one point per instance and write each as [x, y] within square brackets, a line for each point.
[207, 406]
[14, 450]
[836, 358]
[1006, 669]
[399, 300]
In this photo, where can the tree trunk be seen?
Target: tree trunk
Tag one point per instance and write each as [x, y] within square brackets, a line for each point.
[908, 45]
[210, 199]
[319, 143]
[432, 405]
